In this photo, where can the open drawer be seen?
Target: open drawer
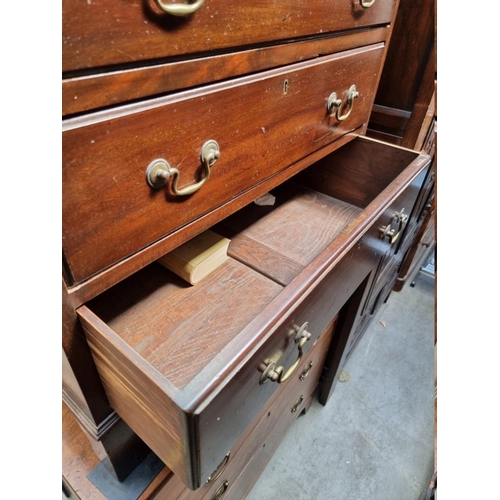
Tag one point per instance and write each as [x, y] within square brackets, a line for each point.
[189, 368]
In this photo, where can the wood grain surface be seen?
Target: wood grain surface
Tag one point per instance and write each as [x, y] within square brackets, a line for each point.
[298, 227]
[136, 390]
[159, 332]
[178, 328]
[111, 88]
[263, 259]
[359, 172]
[275, 416]
[102, 33]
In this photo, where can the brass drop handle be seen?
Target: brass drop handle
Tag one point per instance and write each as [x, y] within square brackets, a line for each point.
[159, 171]
[333, 103]
[219, 470]
[179, 9]
[366, 4]
[401, 216]
[388, 232]
[221, 490]
[278, 374]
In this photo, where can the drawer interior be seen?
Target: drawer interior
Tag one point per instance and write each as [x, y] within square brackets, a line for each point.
[178, 328]
[358, 172]
[282, 239]
[313, 208]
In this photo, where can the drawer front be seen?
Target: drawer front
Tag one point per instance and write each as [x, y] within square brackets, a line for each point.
[274, 418]
[193, 441]
[262, 124]
[228, 412]
[108, 32]
[388, 235]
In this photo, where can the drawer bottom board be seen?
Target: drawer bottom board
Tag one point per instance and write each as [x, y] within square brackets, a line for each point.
[279, 241]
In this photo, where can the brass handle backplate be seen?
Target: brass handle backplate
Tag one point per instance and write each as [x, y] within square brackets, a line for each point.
[159, 171]
[179, 9]
[297, 404]
[306, 370]
[333, 103]
[278, 374]
[366, 4]
[399, 219]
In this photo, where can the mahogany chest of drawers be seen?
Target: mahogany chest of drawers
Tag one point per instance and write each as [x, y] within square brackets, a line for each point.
[176, 117]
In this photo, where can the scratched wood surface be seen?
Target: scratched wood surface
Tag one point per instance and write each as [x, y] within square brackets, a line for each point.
[295, 230]
[179, 328]
[100, 33]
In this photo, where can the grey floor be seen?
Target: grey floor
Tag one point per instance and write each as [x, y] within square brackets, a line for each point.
[374, 440]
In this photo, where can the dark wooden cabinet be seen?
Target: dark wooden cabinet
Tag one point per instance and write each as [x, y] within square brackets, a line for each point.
[404, 113]
[405, 109]
[173, 125]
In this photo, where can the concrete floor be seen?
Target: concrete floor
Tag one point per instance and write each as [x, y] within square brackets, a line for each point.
[374, 440]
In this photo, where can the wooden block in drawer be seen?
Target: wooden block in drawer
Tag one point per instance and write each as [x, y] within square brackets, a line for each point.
[262, 123]
[108, 32]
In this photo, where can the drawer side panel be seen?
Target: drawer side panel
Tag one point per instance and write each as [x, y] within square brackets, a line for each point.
[142, 398]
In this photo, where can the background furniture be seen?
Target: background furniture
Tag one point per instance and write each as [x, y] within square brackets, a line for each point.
[405, 104]
[404, 111]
